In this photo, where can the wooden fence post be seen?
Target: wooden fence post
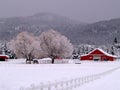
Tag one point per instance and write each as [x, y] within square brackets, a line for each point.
[32, 87]
[21, 88]
[49, 85]
[56, 84]
[41, 86]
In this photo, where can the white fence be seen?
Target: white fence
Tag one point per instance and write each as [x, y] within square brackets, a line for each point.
[68, 84]
[57, 61]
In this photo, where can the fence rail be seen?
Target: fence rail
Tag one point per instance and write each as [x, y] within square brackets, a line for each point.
[68, 84]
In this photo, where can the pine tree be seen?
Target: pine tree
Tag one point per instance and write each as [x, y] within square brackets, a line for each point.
[115, 40]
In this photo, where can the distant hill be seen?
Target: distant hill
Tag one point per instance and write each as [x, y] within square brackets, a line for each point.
[102, 32]
[10, 27]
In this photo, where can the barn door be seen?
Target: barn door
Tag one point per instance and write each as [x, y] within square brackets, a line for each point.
[96, 58]
[2, 59]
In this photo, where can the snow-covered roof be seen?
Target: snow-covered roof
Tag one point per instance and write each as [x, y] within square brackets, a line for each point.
[100, 51]
[4, 55]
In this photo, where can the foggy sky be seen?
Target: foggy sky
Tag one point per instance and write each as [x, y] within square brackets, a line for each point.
[81, 10]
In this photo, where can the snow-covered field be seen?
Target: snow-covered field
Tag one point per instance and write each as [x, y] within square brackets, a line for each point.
[15, 74]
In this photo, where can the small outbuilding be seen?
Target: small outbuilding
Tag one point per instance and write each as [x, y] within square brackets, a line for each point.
[98, 55]
[3, 57]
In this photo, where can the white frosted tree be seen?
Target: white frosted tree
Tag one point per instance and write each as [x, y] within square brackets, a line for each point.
[25, 45]
[54, 45]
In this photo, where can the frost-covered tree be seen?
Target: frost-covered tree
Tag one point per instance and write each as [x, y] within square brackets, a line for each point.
[55, 45]
[25, 45]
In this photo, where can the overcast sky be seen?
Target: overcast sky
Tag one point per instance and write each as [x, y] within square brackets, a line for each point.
[82, 10]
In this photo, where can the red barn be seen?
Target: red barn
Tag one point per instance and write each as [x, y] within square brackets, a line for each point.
[3, 57]
[98, 55]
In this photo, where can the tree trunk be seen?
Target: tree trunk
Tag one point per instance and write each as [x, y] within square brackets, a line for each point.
[53, 59]
[29, 61]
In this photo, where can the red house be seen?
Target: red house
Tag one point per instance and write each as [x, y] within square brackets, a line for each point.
[3, 57]
[98, 55]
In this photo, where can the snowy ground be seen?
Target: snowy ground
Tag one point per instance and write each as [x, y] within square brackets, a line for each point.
[109, 82]
[14, 74]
